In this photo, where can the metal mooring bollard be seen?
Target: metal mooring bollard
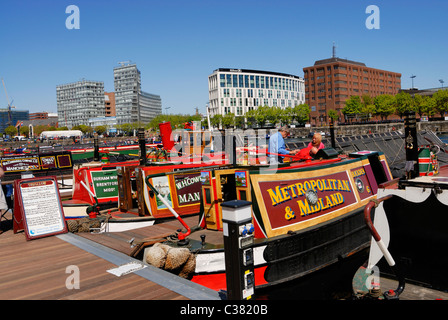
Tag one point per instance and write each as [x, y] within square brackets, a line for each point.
[238, 232]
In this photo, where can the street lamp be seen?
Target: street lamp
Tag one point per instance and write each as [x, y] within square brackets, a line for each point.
[412, 77]
[442, 82]
[166, 112]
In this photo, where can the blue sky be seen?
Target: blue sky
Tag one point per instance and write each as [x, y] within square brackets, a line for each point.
[177, 44]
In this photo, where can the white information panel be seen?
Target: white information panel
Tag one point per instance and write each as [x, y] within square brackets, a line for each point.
[41, 207]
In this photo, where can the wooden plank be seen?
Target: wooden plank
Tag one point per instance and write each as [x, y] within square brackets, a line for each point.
[37, 270]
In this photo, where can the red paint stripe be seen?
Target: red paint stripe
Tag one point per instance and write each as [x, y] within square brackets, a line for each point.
[217, 281]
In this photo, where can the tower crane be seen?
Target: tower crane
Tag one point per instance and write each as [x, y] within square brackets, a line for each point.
[9, 105]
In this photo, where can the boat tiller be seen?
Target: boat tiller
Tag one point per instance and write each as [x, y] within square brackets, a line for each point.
[391, 294]
[94, 209]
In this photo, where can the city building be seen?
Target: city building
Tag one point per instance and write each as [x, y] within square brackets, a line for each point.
[131, 103]
[79, 101]
[10, 119]
[422, 92]
[240, 90]
[329, 82]
[109, 100]
[42, 115]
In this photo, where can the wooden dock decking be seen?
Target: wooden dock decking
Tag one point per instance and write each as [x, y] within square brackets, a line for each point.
[37, 270]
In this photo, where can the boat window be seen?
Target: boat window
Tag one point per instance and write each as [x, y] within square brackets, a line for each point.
[207, 196]
[242, 195]
[228, 187]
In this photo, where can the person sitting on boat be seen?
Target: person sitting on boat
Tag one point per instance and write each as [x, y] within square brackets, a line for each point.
[189, 126]
[277, 146]
[310, 151]
[316, 144]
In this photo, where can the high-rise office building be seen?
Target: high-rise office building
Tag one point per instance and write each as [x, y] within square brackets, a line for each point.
[131, 103]
[11, 117]
[329, 82]
[79, 101]
[239, 90]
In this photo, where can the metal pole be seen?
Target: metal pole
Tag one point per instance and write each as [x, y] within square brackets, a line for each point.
[411, 145]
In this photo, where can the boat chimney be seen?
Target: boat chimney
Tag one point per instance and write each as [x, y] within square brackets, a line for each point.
[142, 144]
[96, 148]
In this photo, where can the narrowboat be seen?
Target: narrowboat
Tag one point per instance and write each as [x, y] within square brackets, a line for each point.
[117, 190]
[306, 215]
[408, 225]
[408, 222]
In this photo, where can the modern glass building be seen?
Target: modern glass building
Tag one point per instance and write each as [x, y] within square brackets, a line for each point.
[131, 103]
[240, 90]
[79, 101]
[16, 115]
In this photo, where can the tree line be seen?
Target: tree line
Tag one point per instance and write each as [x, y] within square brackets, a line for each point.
[356, 107]
[262, 115]
[366, 107]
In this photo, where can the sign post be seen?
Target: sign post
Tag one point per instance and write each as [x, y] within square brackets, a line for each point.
[238, 232]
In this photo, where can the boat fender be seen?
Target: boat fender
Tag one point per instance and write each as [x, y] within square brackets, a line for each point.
[179, 261]
[83, 224]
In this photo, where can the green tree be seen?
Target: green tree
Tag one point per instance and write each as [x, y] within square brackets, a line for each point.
[250, 117]
[368, 106]
[100, 129]
[353, 107]
[25, 130]
[424, 105]
[83, 128]
[385, 105]
[228, 120]
[273, 114]
[216, 120]
[286, 115]
[333, 115]
[11, 131]
[441, 101]
[239, 122]
[403, 103]
[260, 115]
[301, 113]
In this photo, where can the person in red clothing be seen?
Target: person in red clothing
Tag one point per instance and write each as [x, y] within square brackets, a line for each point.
[316, 144]
[312, 148]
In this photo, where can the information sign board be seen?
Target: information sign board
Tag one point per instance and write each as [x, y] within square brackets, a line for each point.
[38, 208]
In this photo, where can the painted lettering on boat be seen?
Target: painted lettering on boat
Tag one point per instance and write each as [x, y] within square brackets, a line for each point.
[281, 194]
[361, 182]
[188, 188]
[358, 172]
[296, 200]
[322, 204]
[190, 197]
